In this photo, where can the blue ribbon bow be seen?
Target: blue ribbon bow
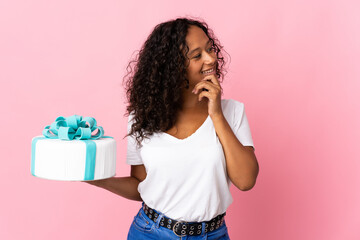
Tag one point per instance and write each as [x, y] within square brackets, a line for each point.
[73, 127]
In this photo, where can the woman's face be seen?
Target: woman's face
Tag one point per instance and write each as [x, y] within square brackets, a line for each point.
[201, 55]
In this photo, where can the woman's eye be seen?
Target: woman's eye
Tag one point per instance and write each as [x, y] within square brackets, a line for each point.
[210, 50]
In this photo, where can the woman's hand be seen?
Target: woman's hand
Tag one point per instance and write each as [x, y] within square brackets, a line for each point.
[98, 183]
[122, 186]
[212, 90]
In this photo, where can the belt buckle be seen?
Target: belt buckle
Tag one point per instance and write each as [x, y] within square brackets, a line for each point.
[173, 229]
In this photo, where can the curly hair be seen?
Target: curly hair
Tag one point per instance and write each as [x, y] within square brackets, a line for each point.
[154, 84]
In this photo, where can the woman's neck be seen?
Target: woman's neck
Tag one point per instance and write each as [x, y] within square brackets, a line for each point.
[191, 101]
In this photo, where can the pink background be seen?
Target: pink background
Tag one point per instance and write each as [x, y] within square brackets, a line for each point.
[295, 65]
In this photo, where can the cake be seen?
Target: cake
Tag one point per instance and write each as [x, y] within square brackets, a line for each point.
[68, 151]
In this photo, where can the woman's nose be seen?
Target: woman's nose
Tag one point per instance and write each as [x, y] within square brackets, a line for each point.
[210, 58]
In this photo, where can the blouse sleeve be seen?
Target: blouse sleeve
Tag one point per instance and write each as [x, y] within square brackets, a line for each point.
[133, 156]
[240, 124]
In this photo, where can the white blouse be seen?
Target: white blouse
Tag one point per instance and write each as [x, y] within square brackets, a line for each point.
[186, 178]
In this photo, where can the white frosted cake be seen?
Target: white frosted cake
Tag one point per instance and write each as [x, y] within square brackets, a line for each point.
[72, 159]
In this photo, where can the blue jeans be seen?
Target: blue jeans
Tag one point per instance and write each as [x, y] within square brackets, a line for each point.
[143, 228]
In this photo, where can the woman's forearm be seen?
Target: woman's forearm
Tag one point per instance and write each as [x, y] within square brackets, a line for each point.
[123, 186]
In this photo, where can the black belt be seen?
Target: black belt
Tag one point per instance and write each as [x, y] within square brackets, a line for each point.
[181, 228]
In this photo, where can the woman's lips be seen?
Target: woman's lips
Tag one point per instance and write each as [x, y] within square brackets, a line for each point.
[208, 72]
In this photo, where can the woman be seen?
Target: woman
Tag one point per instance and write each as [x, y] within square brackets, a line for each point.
[185, 144]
